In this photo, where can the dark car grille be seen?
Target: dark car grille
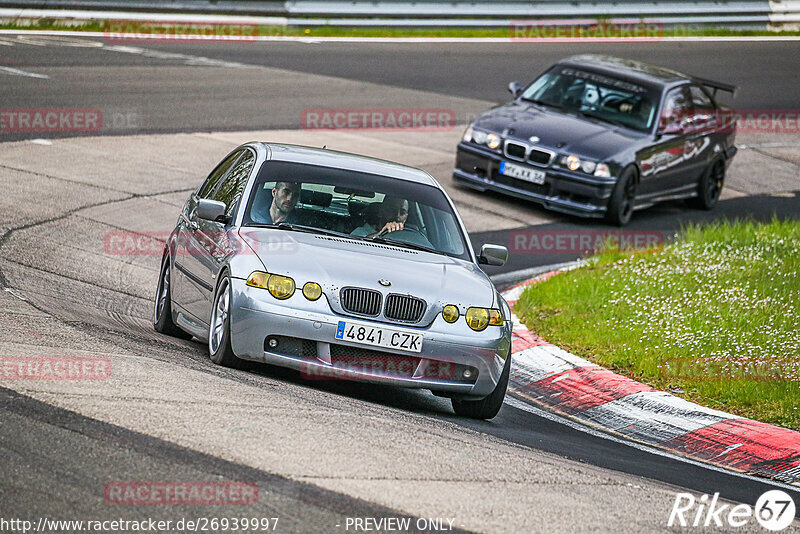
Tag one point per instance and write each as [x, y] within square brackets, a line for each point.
[373, 362]
[515, 150]
[404, 308]
[360, 301]
[539, 157]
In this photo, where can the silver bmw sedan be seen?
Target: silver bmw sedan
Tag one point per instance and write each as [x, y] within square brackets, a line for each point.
[341, 267]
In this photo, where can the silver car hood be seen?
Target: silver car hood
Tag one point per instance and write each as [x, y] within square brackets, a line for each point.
[338, 262]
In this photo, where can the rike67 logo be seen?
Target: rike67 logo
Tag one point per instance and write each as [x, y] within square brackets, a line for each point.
[774, 511]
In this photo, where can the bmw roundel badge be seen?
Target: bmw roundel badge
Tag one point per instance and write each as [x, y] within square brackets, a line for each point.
[384, 283]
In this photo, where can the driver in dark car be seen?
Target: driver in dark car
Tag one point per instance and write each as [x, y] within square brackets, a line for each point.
[392, 215]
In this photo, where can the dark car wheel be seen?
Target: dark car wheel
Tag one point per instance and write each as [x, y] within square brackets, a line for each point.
[487, 407]
[620, 207]
[710, 186]
[162, 314]
[219, 332]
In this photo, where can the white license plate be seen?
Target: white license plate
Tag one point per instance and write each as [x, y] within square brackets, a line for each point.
[379, 337]
[522, 173]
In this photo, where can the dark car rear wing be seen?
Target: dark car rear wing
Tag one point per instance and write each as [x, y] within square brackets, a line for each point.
[728, 88]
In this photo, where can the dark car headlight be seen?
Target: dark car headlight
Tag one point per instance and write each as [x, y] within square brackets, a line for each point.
[574, 163]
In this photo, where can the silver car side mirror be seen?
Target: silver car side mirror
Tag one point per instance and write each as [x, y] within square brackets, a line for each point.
[210, 210]
[494, 255]
[514, 88]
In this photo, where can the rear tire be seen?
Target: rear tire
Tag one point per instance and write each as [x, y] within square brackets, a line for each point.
[620, 206]
[709, 186]
[162, 313]
[219, 330]
[487, 407]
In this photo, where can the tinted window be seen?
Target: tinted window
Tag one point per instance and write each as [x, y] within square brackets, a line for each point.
[230, 189]
[358, 205]
[596, 95]
[213, 178]
[676, 107]
[700, 100]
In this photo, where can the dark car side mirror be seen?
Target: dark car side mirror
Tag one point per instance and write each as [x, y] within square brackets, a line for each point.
[494, 255]
[211, 210]
[515, 89]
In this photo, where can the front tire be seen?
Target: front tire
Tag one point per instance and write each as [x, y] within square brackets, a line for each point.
[162, 313]
[709, 186]
[487, 407]
[219, 330]
[620, 206]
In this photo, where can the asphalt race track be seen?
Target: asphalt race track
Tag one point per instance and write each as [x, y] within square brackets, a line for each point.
[319, 452]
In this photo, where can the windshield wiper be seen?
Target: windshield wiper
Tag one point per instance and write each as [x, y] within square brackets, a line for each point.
[543, 103]
[301, 228]
[604, 119]
[400, 243]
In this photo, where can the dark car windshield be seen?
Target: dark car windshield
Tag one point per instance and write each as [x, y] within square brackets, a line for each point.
[594, 95]
[355, 205]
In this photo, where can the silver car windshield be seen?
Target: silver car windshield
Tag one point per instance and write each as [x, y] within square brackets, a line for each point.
[595, 95]
[303, 197]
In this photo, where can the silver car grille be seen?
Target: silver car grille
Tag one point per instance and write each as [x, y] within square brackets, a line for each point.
[404, 308]
[361, 301]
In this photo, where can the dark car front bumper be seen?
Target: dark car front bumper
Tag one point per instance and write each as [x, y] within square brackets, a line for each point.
[563, 190]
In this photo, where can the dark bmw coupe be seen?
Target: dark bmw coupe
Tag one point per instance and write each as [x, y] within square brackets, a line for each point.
[599, 136]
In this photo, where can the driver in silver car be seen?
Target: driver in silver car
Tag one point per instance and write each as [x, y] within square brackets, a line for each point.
[281, 208]
[392, 215]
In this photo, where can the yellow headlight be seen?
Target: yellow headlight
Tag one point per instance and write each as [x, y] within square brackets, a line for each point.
[280, 287]
[258, 279]
[312, 291]
[450, 313]
[493, 140]
[477, 318]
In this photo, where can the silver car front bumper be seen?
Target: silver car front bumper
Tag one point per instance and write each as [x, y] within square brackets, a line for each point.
[256, 315]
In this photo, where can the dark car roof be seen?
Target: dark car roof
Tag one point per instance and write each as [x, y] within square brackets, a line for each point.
[630, 69]
[345, 160]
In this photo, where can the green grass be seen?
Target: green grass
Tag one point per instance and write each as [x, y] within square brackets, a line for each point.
[381, 31]
[713, 316]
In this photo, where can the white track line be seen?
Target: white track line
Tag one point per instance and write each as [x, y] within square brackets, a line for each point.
[421, 40]
[17, 72]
